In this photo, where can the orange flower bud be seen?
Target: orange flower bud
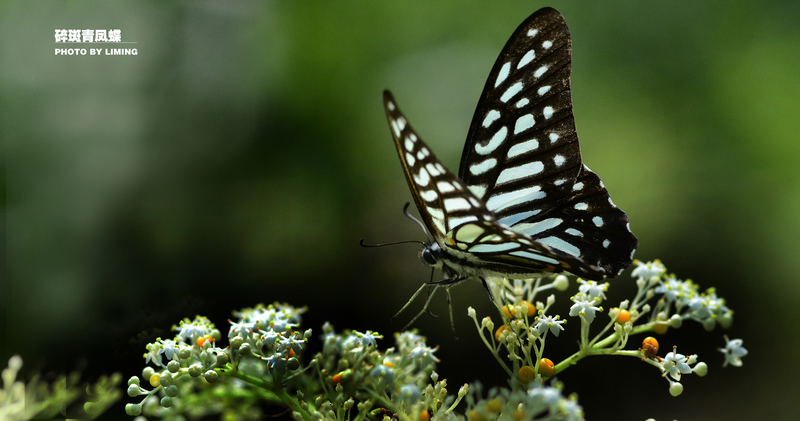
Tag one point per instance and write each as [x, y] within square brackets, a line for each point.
[547, 368]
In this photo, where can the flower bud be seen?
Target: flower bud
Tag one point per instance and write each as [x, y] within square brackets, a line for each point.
[185, 353]
[166, 379]
[725, 319]
[211, 376]
[701, 369]
[500, 331]
[236, 342]
[561, 283]
[547, 368]
[526, 374]
[172, 391]
[133, 409]
[195, 370]
[675, 389]
[133, 390]
[675, 321]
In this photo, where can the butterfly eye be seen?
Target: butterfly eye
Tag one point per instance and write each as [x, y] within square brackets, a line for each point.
[427, 257]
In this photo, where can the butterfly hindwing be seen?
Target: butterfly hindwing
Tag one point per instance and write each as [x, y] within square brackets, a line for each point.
[498, 250]
[587, 226]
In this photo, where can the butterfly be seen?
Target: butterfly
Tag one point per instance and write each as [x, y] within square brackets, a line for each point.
[523, 203]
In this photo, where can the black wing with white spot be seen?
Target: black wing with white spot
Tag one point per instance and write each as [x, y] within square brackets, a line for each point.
[522, 157]
[442, 199]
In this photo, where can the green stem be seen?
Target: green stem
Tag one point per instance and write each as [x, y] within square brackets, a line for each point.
[600, 348]
[494, 351]
[273, 391]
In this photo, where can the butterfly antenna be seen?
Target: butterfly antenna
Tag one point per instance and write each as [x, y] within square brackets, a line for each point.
[411, 217]
[361, 242]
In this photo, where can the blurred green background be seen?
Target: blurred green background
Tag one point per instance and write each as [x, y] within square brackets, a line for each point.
[241, 155]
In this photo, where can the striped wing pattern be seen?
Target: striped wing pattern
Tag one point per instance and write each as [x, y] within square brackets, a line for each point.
[523, 160]
[459, 221]
[524, 202]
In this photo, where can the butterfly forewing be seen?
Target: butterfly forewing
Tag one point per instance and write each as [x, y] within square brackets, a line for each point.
[442, 199]
[522, 156]
[523, 160]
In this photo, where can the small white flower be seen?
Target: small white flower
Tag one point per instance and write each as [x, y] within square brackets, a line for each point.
[734, 351]
[168, 348]
[649, 270]
[671, 288]
[190, 331]
[549, 322]
[154, 351]
[583, 307]
[675, 364]
[368, 338]
[592, 289]
[424, 355]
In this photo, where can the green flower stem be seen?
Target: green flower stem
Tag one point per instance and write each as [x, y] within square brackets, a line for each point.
[494, 351]
[584, 334]
[454, 405]
[539, 352]
[602, 332]
[382, 399]
[274, 391]
[600, 348]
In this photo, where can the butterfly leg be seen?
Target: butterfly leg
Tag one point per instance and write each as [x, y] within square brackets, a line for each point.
[412, 299]
[448, 282]
[430, 291]
[427, 299]
[486, 286]
[450, 306]
[424, 308]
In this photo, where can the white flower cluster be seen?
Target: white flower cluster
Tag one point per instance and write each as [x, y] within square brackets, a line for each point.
[662, 301]
[262, 332]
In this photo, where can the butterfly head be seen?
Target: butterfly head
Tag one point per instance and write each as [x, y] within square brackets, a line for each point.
[430, 255]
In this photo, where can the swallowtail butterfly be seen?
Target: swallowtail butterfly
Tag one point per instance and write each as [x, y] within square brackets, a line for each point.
[523, 204]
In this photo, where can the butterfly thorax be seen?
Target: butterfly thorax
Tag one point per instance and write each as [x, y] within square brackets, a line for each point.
[457, 266]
